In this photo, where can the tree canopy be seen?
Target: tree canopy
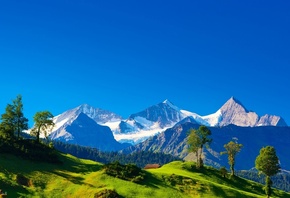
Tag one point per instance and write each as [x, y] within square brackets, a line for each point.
[43, 124]
[267, 162]
[196, 141]
[232, 149]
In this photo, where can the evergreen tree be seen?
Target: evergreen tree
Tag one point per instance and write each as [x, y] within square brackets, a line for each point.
[196, 141]
[13, 120]
[21, 123]
[7, 125]
[232, 149]
[268, 163]
[43, 124]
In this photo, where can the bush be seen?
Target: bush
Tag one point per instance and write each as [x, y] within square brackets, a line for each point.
[107, 194]
[22, 180]
[128, 172]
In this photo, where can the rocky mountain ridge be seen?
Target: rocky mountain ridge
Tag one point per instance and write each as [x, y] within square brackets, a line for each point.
[154, 120]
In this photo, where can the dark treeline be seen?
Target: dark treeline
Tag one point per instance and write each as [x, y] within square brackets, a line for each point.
[29, 149]
[140, 159]
[280, 181]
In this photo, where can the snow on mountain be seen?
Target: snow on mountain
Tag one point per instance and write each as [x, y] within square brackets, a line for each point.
[84, 131]
[162, 116]
[83, 125]
[157, 118]
[97, 114]
[149, 122]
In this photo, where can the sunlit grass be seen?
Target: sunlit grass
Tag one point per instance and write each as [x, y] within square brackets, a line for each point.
[84, 178]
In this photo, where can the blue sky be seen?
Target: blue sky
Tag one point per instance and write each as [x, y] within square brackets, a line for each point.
[124, 56]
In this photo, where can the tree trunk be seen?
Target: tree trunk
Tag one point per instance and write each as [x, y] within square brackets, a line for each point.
[268, 189]
[232, 170]
[38, 134]
[200, 157]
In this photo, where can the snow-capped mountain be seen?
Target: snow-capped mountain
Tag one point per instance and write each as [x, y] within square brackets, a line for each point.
[97, 114]
[82, 126]
[84, 131]
[156, 119]
[152, 120]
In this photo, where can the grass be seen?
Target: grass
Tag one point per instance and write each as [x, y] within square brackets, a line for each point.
[84, 178]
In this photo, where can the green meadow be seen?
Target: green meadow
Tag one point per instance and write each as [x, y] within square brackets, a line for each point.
[76, 177]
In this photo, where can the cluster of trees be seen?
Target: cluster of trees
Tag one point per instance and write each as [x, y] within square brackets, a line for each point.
[266, 162]
[13, 123]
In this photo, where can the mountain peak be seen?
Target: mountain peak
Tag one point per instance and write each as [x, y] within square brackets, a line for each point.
[234, 102]
[170, 104]
[234, 112]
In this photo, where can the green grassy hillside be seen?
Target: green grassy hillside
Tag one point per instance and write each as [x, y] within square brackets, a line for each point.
[84, 178]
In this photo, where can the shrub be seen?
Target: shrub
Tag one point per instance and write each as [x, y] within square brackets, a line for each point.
[107, 194]
[22, 180]
[128, 172]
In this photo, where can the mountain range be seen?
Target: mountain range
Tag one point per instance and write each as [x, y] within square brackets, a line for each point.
[85, 124]
[163, 128]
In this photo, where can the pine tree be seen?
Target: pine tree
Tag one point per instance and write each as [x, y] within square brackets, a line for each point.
[7, 125]
[21, 123]
[13, 120]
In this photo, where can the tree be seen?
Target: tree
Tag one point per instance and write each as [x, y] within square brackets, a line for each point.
[232, 149]
[21, 123]
[267, 162]
[43, 124]
[13, 120]
[196, 141]
[7, 125]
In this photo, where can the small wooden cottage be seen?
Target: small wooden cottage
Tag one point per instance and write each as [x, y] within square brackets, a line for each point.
[152, 166]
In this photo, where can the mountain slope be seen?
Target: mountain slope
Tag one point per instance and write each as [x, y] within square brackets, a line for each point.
[84, 131]
[77, 177]
[173, 141]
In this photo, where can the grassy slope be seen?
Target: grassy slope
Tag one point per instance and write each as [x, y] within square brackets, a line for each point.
[84, 178]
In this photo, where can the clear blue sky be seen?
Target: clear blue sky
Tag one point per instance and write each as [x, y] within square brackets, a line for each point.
[124, 56]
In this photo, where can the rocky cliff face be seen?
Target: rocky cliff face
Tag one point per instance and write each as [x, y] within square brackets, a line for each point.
[271, 120]
[233, 112]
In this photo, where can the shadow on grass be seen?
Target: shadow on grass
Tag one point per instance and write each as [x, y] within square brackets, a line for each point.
[12, 190]
[153, 182]
[231, 181]
[75, 166]
[73, 179]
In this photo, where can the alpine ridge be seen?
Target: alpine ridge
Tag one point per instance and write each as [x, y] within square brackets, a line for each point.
[157, 118]
[233, 112]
